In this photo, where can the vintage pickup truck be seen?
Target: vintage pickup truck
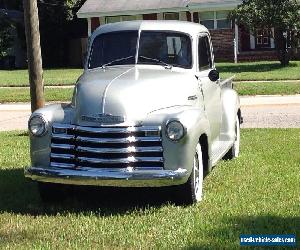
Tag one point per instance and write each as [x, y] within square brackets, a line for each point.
[149, 110]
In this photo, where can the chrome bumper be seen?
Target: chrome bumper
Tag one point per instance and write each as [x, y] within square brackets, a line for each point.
[109, 177]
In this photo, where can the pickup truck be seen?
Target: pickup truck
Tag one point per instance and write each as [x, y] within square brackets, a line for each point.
[149, 110]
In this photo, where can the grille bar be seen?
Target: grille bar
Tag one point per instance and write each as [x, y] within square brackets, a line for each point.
[106, 147]
[119, 150]
[120, 160]
[118, 140]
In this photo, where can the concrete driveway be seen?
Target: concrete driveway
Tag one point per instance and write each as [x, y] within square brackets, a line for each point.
[258, 112]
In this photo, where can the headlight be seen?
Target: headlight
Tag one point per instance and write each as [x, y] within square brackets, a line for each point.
[175, 130]
[37, 125]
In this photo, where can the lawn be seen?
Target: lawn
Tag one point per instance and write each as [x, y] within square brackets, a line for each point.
[257, 193]
[65, 94]
[23, 95]
[264, 71]
[19, 78]
[267, 88]
[243, 71]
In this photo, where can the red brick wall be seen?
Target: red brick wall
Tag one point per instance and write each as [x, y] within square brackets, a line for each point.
[188, 16]
[150, 16]
[95, 23]
[223, 44]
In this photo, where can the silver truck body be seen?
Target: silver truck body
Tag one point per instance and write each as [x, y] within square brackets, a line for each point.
[114, 131]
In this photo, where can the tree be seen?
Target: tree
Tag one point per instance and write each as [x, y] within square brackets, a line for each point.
[280, 17]
[55, 18]
[6, 38]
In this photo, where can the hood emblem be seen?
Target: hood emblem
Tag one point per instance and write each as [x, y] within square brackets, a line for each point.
[103, 118]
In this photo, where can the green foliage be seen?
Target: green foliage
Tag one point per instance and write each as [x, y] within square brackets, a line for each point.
[6, 36]
[55, 18]
[282, 15]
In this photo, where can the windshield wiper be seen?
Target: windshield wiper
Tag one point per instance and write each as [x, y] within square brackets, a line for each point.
[116, 60]
[167, 66]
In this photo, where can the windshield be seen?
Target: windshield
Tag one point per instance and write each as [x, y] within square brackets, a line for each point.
[171, 48]
[155, 47]
[109, 48]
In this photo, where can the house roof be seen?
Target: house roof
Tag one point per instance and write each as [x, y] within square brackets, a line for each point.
[213, 4]
[118, 7]
[98, 8]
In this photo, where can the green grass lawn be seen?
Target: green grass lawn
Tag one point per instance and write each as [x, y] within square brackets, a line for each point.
[51, 77]
[256, 194]
[243, 71]
[267, 88]
[253, 71]
[23, 95]
[65, 94]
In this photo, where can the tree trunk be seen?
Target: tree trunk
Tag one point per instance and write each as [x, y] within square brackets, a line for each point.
[34, 54]
[280, 45]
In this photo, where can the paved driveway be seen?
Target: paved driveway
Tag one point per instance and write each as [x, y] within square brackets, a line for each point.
[258, 112]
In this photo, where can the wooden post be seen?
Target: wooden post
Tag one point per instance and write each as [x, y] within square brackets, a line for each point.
[34, 57]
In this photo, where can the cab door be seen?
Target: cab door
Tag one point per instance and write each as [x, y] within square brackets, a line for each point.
[211, 90]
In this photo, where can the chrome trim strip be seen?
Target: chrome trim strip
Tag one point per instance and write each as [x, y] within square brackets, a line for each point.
[62, 156]
[109, 177]
[63, 126]
[62, 146]
[62, 165]
[117, 130]
[62, 136]
[119, 150]
[119, 160]
[131, 139]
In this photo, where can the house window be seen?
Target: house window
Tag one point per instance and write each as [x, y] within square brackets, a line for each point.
[263, 38]
[222, 21]
[171, 16]
[215, 19]
[114, 19]
[208, 19]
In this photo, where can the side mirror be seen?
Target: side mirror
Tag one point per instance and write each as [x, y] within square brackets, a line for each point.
[214, 75]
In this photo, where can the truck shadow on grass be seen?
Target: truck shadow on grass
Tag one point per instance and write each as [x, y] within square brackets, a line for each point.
[19, 195]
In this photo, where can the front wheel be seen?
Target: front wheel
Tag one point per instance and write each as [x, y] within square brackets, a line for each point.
[234, 151]
[191, 192]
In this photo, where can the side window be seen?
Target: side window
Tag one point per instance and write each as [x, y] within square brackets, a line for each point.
[204, 53]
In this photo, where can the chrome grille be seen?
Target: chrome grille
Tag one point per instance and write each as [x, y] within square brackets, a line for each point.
[106, 147]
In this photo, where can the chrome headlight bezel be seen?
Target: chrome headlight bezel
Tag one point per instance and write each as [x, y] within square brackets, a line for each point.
[177, 125]
[44, 125]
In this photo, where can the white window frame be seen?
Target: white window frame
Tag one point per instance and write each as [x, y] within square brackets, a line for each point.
[215, 19]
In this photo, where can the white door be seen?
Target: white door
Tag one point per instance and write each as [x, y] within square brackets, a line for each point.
[211, 90]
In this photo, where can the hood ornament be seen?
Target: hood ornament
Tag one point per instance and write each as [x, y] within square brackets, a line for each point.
[103, 118]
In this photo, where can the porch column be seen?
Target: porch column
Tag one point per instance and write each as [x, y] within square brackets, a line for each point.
[236, 42]
[89, 26]
[192, 16]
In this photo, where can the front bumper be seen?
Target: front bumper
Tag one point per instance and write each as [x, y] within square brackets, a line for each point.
[109, 177]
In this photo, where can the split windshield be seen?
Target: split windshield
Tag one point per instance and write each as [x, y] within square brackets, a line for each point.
[155, 47]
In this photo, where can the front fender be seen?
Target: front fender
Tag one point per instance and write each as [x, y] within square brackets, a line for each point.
[40, 146]
[181, 154]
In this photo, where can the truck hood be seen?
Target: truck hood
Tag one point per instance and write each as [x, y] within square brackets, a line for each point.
[130, 92]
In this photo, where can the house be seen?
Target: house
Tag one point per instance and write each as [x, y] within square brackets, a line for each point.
[231, 42]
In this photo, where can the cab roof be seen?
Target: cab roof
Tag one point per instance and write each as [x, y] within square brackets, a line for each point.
[190, 28]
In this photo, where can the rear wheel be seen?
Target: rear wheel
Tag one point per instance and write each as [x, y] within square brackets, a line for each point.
[50, 192]
[191, 192]
[234, 151]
